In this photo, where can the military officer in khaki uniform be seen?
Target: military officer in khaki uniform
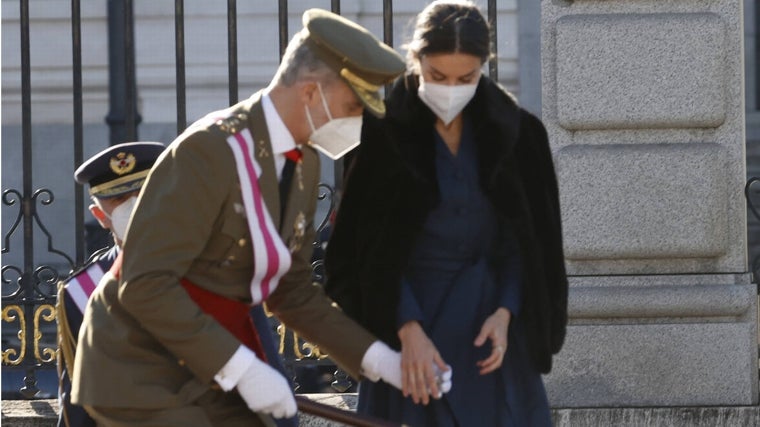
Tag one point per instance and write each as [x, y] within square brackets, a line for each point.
[164, 357]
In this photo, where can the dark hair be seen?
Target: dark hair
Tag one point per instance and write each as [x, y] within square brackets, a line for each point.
[450, 26]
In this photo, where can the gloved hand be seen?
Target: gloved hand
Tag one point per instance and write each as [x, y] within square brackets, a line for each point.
[382, 362]
[266, 390]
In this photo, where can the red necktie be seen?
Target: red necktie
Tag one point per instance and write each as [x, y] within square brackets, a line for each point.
[292, 158]
[294, 155]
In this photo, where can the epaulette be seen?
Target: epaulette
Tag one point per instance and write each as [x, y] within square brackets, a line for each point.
[236, 122]
[91, 260]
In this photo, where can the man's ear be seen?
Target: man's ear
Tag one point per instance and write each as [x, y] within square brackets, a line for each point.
[101, 216]
[308, 92]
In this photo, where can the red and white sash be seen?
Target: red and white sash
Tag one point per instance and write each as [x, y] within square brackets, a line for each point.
[271, 258]
[81, 286]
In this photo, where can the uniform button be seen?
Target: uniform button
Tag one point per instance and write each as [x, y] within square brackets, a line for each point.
[241, 242]
[181, 362]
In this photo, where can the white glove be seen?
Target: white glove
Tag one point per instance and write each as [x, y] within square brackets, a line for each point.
[266, 390]
[382, 362]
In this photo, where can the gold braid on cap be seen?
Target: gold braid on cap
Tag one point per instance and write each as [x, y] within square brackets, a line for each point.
[358, 81]
[118, 181]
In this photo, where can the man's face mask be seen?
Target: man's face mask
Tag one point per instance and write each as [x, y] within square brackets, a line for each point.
[336, 137]
[444, 100]
[120, 217]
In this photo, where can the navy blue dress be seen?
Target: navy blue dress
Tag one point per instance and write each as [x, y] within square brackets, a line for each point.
[450, 289]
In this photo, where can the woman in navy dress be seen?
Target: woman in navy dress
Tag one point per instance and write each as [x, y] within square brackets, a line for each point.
[448, 242]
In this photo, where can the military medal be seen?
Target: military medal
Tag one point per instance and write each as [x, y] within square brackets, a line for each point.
[299, 174]
[299, 230]
[263, 149]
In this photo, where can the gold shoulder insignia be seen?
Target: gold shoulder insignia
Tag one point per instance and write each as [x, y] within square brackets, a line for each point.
[233, 124]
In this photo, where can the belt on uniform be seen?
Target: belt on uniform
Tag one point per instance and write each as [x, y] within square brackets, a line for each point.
[234, 315]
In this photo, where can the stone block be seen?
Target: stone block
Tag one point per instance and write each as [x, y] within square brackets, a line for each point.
[727, 416]
[618, 71]
[658, 341]
[643, 201]
[655, 365]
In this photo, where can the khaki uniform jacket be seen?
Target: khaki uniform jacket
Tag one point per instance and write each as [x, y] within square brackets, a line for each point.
[144, 343]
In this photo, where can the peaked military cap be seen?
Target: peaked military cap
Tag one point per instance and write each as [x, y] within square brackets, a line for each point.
[118, 169]
[363, 61]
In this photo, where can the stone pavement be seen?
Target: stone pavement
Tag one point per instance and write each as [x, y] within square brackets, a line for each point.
[42, 413]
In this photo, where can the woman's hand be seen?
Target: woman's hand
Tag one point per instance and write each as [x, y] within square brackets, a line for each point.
[419, 358]
[494, 328]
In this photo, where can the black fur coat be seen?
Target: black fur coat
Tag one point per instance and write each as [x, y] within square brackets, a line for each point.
[392, 187]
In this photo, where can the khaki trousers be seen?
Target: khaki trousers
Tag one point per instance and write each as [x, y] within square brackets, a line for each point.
[214, 408]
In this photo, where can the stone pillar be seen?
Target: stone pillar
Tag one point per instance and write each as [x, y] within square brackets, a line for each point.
[643, 101]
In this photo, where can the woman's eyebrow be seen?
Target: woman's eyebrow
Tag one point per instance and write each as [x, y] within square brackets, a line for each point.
[434, 70]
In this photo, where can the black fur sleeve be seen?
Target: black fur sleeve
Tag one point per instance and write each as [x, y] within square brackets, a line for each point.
[544, 207]
[342, 260]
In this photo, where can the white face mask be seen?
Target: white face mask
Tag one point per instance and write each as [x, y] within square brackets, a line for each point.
[446, 101]
[336, 137]
[120, 217]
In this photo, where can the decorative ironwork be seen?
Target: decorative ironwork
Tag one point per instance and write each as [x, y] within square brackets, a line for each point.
[342, 381]
[45, 202]
[29, 293]
[9, 317]
[10, 202]
[48, 354]
[326, 195]
[312, 351]
[748, 191]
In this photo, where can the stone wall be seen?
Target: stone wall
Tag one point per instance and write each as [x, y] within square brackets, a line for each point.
[643, 101]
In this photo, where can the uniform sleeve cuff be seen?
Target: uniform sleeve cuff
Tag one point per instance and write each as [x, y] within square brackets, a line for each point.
[233, 370]
[371, 359]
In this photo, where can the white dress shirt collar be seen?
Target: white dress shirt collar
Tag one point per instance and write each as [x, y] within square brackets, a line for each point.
[281, 139]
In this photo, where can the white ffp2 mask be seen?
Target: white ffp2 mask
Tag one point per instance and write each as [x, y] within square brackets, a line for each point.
[444, 100]
[336, 137]
[120, 217]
